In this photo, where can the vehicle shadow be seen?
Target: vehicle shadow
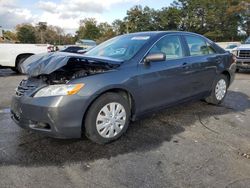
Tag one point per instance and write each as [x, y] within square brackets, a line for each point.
[148, 134]
[244, 71]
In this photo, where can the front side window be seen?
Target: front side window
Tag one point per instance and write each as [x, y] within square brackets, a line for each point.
[197, 46]
[169, 45]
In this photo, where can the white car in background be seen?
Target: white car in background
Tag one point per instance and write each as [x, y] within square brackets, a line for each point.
[13, 55]
[231, 47]
[86, 43]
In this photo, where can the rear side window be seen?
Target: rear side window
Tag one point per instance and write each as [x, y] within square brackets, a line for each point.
[197, 46]
[170, 45]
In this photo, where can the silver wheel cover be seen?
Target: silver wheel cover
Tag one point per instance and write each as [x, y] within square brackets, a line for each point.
[111, 120]
[220, 89]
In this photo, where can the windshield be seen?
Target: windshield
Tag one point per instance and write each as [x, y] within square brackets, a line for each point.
[121, 47]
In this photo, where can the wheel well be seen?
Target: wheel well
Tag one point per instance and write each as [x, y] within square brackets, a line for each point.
[122, 92]
[126, 95]
[226, 73]
[22, 55]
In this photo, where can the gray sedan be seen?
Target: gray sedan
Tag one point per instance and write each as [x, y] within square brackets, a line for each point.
[97, 94]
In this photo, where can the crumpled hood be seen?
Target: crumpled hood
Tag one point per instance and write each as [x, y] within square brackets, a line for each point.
[47, 63]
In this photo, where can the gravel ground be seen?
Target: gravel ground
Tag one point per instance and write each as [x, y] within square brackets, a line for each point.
[191, 145]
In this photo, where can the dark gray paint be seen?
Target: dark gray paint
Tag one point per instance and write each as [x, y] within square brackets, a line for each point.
[152, 86]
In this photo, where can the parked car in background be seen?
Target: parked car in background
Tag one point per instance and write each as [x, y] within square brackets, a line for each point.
[13, 55]
[231, 47]
[86, 43]
[100, 92]
[76, 49]
[242, 54]
[72, 49]
[84, 50]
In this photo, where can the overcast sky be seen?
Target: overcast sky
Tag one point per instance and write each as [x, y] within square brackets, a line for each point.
[67, 13]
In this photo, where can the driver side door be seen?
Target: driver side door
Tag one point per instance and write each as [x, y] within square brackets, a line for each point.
[165, 82]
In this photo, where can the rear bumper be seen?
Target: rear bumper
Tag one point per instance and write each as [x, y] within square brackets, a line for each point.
[60, 117]
[232, 70]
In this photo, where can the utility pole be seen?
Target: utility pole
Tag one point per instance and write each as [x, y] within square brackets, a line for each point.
[42, 27]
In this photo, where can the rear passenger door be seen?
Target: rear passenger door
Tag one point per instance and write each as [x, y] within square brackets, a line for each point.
[203, 61]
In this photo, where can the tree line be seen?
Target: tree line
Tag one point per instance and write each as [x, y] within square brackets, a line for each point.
[219, 20]
[41, 33]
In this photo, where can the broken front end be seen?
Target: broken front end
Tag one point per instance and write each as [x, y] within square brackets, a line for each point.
[50, 99]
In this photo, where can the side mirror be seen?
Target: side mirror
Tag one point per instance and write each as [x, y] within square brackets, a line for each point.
[155, 57]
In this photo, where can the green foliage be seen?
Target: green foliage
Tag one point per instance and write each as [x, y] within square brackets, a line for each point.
[140, 19]
[119, 27]
[106, 32]
[41, 33]
[168, 18]
[220, 20]
[245, 16]
[88, 29]
[26, 33]
[217, 19]
[9, 35]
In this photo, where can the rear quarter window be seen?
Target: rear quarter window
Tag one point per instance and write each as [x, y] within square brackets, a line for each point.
[197, 45]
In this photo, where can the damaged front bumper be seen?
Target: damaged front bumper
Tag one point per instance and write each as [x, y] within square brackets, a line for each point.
[56, 116]
[59, 116]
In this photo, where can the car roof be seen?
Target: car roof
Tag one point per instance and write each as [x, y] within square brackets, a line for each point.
[160, 33]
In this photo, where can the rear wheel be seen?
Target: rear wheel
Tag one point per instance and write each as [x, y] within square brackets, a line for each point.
[107, 118]
[219, 90]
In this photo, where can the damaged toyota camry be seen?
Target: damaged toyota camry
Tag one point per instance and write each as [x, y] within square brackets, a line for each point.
[97, 94]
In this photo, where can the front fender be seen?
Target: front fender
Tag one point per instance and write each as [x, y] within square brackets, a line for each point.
[96, 85]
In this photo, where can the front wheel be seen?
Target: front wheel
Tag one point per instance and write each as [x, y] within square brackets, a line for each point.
[219, 90]
[107, 118]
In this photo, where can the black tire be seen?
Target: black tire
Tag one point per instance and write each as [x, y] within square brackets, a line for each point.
[237, 70]
[90, 121]
[212, 98]
[19, 62]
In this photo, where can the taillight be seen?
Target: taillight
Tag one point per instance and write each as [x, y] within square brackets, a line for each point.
[233, 58]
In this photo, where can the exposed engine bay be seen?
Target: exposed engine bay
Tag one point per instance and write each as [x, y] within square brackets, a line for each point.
[61, 67]
[75, 68]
